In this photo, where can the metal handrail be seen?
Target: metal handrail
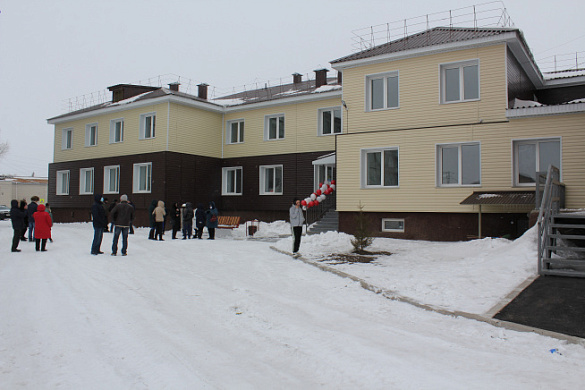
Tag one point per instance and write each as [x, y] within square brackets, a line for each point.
[552, 200]
[315, 213]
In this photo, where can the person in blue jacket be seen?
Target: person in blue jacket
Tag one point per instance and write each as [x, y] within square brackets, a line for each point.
[100, 223]
[211, 219]
[17, 216]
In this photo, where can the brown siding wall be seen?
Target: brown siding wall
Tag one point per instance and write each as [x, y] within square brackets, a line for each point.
[560, 95]
[440, 226]
[178, 177]
[298, 181]
[519, 85]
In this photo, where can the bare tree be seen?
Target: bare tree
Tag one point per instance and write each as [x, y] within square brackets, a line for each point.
[3, 148]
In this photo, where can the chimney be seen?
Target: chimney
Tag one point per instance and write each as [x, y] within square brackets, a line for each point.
[320, 77]
[339, 77]
[297, 78]
[202, 91]
[174, 86]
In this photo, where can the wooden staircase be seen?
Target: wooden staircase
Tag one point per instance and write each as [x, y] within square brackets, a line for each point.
[564, 249]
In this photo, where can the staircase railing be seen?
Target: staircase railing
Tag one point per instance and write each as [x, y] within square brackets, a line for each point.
[315, 213]
[551, 198]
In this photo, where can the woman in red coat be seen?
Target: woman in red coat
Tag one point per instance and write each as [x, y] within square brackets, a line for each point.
[43, 225]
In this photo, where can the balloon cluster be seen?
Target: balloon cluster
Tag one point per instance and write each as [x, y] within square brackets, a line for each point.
[320, 195]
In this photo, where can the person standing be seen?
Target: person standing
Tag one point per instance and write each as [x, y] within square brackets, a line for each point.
[17, 217]
[175, 219]
[159, 219]
[110, 208]
[100, 223]
[42, 227]
[211, 220]
[23, 207]
[48, 210]
[32, 208]
[151, 233]
[187, 221]
[296, 221]
[199, 220]
[122, 216]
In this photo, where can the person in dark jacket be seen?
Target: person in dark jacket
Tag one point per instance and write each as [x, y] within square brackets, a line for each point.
[17, 217]
[200, 219]
[100, 223]
[175, 219]
[110, 208]
[122, 215]
[23, 206]
[43, 224]
[151, 233]
[211, 220]
[188, 221]
[32, 208]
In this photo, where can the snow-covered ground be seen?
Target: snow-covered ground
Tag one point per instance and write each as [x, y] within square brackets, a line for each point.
[235, 314]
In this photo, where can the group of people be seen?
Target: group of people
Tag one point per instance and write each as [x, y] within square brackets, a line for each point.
[122, 213]
[182, 220]
[35, 217]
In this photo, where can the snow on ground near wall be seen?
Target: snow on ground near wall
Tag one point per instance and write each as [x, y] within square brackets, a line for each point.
[234, 314]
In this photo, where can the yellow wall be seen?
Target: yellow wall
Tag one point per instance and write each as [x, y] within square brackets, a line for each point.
[419, 92]
[301, 130]
[418, 191]
[131, 145]
[195, 131]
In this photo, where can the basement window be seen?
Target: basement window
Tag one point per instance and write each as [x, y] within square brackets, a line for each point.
[393, 225]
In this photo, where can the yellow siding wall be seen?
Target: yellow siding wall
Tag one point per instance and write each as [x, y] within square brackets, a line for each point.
[419, 92]
[131, 145]
[301, 130]
[195, 131]
[417, 164]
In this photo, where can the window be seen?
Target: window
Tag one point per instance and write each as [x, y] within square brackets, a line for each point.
[147, 122]
[67, 139]
[235, 131]
[531, 156]
[62, 183]
[116, 131]
[274, 127]
[330, 121]
[142, 177]
[380, 167]
[459, 164]
[86, 181]
[271, 180]
[393, 225]
[232, 181]
[382, 91]
[91, 134]
[112, 179]
[460, 81]
[323, 174]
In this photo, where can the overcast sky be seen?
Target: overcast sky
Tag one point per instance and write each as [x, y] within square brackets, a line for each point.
[51, 51]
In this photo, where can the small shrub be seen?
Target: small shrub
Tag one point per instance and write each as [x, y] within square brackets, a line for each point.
[362, 237]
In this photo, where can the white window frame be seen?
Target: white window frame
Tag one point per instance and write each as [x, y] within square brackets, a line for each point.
[89, 142]
[62, 182]
[113, 126]
[67, 139]
[460, 162]
[267, 119]
[262, 177]
[152, 130]
[240, 132]
[364, 168]
[392, 230]
[386, 105]
[537, 141]
[460, 65]
[332, 111]
[225, 180]
[83, 173]
[138, 187]
[107, 175]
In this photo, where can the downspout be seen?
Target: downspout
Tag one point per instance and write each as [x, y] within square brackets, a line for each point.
[222, 131]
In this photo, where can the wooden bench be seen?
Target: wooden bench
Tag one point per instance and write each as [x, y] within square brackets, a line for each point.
[227, 222]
